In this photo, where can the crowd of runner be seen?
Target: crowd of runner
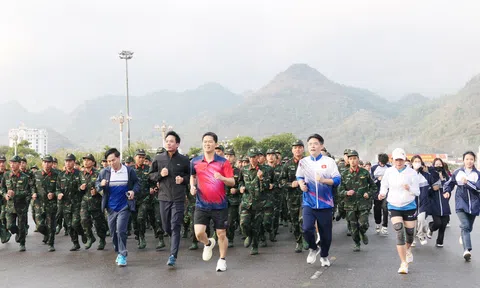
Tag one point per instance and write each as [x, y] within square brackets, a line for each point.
[210, 198]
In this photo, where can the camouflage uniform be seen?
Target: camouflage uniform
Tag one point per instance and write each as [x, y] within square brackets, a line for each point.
[253, 202]
[4, 234]
[139, 217]
[356, 206]
[46, 209]
[17, 207]
[68, 184]
[188, 218]
[277, 200]
[91, 208]
[341, 213]
[233, 204]
[293, 197]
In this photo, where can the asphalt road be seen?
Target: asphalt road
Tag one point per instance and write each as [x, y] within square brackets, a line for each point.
[276, 266]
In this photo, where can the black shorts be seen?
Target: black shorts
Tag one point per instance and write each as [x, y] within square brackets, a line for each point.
[219, 218]
[407, 215]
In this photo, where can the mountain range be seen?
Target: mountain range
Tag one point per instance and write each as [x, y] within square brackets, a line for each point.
[299, 100]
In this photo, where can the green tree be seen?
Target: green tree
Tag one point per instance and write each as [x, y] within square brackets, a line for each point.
[241, 144]
[194, 150]
[282, 142]
[133, 147]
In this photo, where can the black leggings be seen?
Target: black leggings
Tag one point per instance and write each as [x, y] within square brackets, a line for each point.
[379, 210]
[439, 223]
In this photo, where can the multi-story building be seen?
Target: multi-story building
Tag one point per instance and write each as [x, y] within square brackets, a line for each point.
[38, 138]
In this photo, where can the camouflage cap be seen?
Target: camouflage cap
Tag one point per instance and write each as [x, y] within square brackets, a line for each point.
[129, 159]
[220, 147]
[16, 159]
[23, 159]
[298, 142]
[54, 160]
[252, 152]
[77, 162]
[160, 150]
[70, 156]
[3, 158]
[34, 167]
[148, 158]
[47, 158]
[260, 152]
[270, 151]
[346, 151]
[140, 152]
[352, 153]
[89, 157]
[360, 163]
[229, 152]
[368, 163]
[278, 152]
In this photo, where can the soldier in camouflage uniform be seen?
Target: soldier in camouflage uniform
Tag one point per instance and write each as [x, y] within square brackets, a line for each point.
[45, 201]
[70, 200]
[268, 207]
[343, 166]
[272, 160]
[253, 185]
[16, 190]
[24, 169]
[139, 217]
[356, 190]
[293, 192]
[234, 198]
[4, 234]
[91, 206]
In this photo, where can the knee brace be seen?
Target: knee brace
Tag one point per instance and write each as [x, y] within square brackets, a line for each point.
[410, 234]
[400, 233]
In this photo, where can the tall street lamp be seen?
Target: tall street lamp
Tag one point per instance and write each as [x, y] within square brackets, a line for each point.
[120, 119]
[14, 137]
[127, 55]
[164, 128]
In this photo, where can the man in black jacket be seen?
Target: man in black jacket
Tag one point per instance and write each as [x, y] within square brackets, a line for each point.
[171, 172]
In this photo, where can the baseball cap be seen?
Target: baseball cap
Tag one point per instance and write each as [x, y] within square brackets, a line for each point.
[399, 153]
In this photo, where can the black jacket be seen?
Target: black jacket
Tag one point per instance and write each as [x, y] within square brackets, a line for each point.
[178, 165]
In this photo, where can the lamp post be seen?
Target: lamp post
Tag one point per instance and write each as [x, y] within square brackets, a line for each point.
[164, 128]
[120, 119]
[14, 137]
[127, 55]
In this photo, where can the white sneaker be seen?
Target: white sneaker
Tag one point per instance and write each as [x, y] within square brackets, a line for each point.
[403, 268]
[423, 241]
[439, 245]
[377, 228]
[467, 255]
[448, 225]
[207, 250]
[384, 231]
[312, 256]
[429, 234]
[325, 262]
[414, 243]
[460, 240]
[221, 265]
[409, 256]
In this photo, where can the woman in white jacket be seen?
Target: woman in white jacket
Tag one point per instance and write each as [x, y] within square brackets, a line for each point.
[400, 186]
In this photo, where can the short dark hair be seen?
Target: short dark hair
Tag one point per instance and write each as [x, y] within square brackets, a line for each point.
[383, 158]
[316, 136]
[471, 153]
[211, 134]
[174, 134]
[112, 151]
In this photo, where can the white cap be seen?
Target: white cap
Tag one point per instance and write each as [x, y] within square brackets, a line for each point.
[399, 153]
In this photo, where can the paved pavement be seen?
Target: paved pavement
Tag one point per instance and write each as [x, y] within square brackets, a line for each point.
[276, 266]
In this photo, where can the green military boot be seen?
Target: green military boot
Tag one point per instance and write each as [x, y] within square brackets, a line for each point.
[364, 238]
[194, 246]
[356, 248]
[101, 245]
[247, 242]
[7, 237]
[51, 248]
[22, 248]
[90, 242]
[75, 247]
[298, 248]
[273, 236]
[254, 251]
[305, 245]
[59, 228]
[161, 244]
[45, 239]
[142, 244]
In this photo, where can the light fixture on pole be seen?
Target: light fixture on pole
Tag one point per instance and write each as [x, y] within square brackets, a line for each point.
[164, 128]
[127, 55]
[120, 119]
[14, 136]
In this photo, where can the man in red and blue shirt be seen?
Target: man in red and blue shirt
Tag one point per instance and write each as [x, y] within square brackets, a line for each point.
[209, 175]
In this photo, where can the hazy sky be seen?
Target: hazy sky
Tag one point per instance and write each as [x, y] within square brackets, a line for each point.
[60, 53]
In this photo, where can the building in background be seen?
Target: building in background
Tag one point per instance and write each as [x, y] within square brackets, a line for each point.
[38, 138]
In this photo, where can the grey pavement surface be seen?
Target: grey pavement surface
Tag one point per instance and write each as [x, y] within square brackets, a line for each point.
[276, 266]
